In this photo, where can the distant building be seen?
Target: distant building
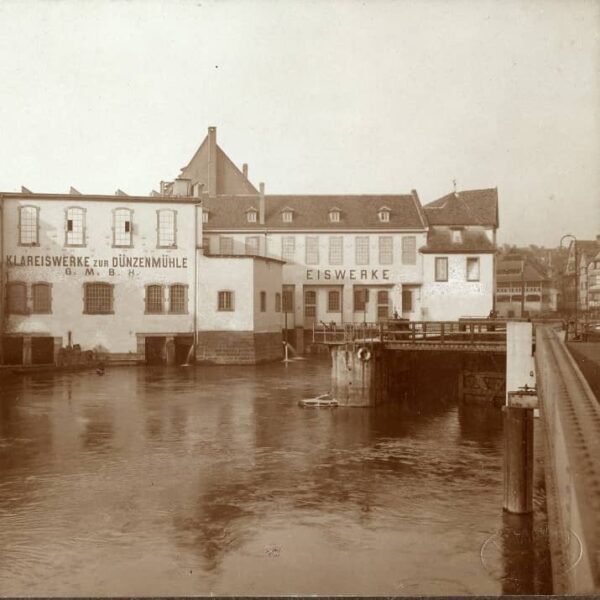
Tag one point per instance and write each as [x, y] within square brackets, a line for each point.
[593, 280]
[581, 275]
[523, 288]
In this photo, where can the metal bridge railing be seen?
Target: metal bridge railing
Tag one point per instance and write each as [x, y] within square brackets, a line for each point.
[465, 331]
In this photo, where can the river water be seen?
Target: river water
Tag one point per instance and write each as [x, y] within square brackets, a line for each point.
[212, 480]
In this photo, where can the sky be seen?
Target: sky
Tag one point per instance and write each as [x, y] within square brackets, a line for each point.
[318, 97]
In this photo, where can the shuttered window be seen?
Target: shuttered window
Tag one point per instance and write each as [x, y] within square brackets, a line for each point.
[16, 295]
[41, 294]
[225, 301]
[409, 250]
[333, 301]
[386, 245]
[362, 250]
[472, 269]
[336, 250]
[312, 250]
[225, 245]
[288, 247]
[441, 268]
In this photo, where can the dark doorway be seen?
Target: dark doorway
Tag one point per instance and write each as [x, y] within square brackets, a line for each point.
[156, 352]
[13, 350]
[42, 350]
[183, 345]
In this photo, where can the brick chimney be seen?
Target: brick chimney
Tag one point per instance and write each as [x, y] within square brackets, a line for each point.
[212, 162]
[245, 170]
[261, 204]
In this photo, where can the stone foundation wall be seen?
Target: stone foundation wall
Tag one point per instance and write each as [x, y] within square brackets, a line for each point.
[238, 347]
[359, 382]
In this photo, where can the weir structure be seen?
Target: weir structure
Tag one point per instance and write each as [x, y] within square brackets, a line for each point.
[372, 363]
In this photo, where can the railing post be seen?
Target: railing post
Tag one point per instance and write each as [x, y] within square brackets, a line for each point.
[424, 331]
[442, 333]
[472, 327]
[413, 326]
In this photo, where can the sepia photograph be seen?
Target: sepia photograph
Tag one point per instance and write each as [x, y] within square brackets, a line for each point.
[299, 298]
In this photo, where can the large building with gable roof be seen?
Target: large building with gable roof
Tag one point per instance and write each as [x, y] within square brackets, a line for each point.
[213, 266]
[351, 258]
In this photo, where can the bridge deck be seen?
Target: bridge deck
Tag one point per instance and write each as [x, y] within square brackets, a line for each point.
[571, 419]
[474, 335]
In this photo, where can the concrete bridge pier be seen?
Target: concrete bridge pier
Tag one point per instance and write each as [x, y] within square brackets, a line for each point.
[360, 374]
[521, 400]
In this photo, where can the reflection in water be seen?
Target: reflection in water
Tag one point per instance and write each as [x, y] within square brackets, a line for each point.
[212, 480]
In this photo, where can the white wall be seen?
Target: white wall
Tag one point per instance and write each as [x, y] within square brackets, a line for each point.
[225, 274]
[457, 297]
[115, 332]
[267, 278]
[349, 274]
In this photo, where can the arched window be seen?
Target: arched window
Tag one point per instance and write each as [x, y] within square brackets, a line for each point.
[41, 294]
[166, 228]
[16, 296]
[123, 228]
[29, 226]
[75, 226]
[154, 299]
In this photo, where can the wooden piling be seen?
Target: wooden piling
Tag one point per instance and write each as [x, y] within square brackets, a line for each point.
[518, 459]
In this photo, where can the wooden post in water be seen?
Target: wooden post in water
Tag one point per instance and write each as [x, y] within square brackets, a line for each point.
[518, 459]
[521, 400]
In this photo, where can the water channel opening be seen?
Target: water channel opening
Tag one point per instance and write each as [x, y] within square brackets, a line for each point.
[156, 350]
[183, 346]
[42, 350]
[13, 350]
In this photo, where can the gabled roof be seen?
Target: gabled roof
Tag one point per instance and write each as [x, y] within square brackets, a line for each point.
[312, 212]
[230, 180]
[512, 270]
[440, 240]
[469, 207]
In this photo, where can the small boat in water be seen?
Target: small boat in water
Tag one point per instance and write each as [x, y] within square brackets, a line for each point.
[324, 400]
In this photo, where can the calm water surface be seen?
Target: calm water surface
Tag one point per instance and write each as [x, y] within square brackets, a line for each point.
[175, 481]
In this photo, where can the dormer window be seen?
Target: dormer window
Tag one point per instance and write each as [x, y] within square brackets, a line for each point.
[334, 215]
[287, 215]
[251, 215]
[457, 236]
[384, 214]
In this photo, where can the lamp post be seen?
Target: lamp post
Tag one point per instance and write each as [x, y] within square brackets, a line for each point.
[574, 242]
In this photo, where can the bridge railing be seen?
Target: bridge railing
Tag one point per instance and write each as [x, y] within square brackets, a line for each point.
[467, 331]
